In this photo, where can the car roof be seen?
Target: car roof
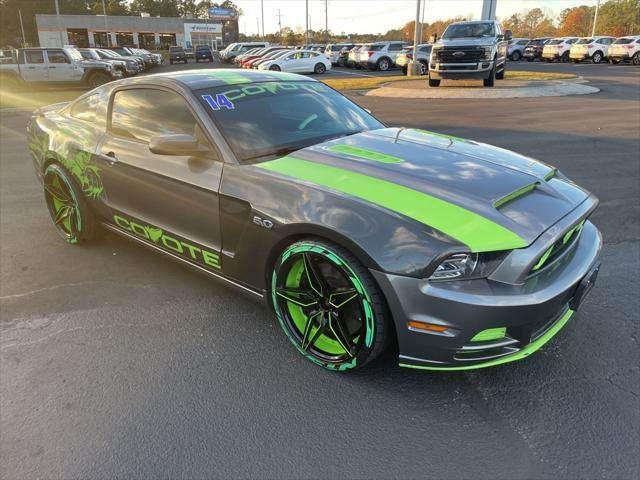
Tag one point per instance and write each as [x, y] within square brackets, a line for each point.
[215, 77]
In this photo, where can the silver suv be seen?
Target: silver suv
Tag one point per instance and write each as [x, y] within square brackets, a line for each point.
[380, 55]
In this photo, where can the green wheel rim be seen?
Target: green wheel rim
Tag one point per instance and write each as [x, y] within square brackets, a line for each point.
[322, 306]
[62, 204]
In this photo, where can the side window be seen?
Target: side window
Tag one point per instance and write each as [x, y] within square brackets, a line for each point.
[143, 113]
[91, 109]
[34, 56]
[394, 47]
[57, 56]
[314, 54]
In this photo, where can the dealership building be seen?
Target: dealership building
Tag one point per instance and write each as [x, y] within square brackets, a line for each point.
[148, 32]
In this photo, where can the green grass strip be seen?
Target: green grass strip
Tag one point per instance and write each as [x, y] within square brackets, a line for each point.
[475, 231]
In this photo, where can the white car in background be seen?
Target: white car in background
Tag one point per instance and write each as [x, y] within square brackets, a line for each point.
[558, 49]
[625, 49]
[594, 48]
[299, 61]
[515, 50]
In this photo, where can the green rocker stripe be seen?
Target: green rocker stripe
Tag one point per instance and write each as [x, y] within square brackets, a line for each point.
[525, 352]
[475, 231]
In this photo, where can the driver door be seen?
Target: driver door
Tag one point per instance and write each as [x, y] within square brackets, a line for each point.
[169, 201]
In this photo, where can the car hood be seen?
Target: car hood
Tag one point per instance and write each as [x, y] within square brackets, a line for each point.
[464, 185]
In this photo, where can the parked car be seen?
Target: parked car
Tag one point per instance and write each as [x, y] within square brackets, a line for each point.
[404, 57]
[256, 62]
[380, 55]
[333, 50]
[234, 49]
[53, 66]
[189, 53]
[128, 68]
[470, 50]
[300, 61]
[356, 236]
[239, 58]
[177, 54]
[203, 52]
[558, 49]
[533, 50]
[515, 50]
[594, 48]
[353, 57]
[259, 54]
[343, 56]
[625, 49]
[125, 51]
[107, 54]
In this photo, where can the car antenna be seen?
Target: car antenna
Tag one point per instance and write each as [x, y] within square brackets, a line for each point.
[398, 134]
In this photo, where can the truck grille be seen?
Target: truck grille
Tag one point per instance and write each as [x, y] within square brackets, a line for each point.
[459, 54]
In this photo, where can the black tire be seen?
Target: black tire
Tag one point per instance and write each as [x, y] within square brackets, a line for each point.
[424, 68]
[614, 62]
[530, 59]
[434, 82]
[170, 62]
[516, 56]
[405, 70]
[383, 64]
[500, 74]
[351, 322]
[635, 60]
[80, 223]
[548, 60]
[597, 57]
[319, 68]
[98, 78]
[565, 57]
[491, 81]
[186, 61]
[275, 68]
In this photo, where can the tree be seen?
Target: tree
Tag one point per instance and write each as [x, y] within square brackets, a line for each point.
[619, 18]
[576, 21]
[155, 8]
[113, 7]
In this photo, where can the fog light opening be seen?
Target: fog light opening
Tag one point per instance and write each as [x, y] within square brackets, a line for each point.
[490, 334]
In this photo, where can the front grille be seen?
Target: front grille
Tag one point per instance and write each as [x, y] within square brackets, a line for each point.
[459, 55]
[458, 67]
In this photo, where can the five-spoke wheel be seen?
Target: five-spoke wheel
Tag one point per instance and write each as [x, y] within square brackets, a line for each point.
[328, 305]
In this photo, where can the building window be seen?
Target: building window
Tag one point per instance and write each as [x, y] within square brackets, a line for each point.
[167, 40]
[101, 40]
[124, 39]
[78, 37]
[148, 41]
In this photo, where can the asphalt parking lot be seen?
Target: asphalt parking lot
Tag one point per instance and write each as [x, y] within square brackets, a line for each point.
[116, 362]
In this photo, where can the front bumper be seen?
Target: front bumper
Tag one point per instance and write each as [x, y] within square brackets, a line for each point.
[621, 57]
[550, 56]
[531, 312]
[461, 71]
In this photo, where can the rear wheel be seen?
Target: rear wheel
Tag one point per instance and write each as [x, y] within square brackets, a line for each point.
[565, 57]
[596, 57]
[516, 56]
[423, 67]
[319, 68]
[636, 59]
[530, 59]
[383, 64]
[71, 215]
[328, 305]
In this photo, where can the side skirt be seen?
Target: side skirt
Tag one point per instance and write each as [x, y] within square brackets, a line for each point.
[254, 294]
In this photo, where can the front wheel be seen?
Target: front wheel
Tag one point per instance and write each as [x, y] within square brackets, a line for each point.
[274, 68]
[433, 82]
[98, 78]
[491, 81]
[319, 68]
[516, 56]
[328, 305]
[71, 215]
[636, 59]
[565, 57]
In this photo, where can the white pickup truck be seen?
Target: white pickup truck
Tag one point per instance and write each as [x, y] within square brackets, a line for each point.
[53, 66]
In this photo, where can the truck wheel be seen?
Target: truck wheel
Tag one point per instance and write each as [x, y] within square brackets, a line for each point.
[491, 81]
[433, 82]
[98, 78]
[383, 65]
[596, 57]
[500, 74]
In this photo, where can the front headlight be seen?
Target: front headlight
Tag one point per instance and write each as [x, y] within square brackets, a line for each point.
[488, 53]
[458, 265]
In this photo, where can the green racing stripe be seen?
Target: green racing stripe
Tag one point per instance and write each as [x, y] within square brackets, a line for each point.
[477, 232]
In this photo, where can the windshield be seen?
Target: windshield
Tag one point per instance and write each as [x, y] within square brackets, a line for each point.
[86, 54]
[110, 53]
[470, 30]
[554, 42]
[274, 118]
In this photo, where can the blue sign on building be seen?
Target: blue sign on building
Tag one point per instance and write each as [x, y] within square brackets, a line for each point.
[218, 13]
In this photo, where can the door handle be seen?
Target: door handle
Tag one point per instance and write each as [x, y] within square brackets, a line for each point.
[111, 158]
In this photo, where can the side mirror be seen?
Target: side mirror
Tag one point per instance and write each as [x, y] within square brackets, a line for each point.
[182, 145]
[508, 35]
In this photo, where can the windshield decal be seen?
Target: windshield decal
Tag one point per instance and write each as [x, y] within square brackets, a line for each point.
[221, 101]
[271, 88]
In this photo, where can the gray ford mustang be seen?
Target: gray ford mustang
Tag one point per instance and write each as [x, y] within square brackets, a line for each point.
[356, 235]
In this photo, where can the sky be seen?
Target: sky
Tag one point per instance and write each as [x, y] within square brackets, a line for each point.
[377, 16]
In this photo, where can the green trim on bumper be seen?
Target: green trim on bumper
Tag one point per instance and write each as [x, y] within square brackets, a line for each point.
[525, 352]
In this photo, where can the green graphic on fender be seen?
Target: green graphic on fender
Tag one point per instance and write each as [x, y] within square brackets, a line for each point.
[355, 234]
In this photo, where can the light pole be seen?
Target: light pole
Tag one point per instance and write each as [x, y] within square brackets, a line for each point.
[306, 15]
[262, 8]
[24, 39]
[412, 71]
[59, 25]
[595, 19]
[106, 28]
